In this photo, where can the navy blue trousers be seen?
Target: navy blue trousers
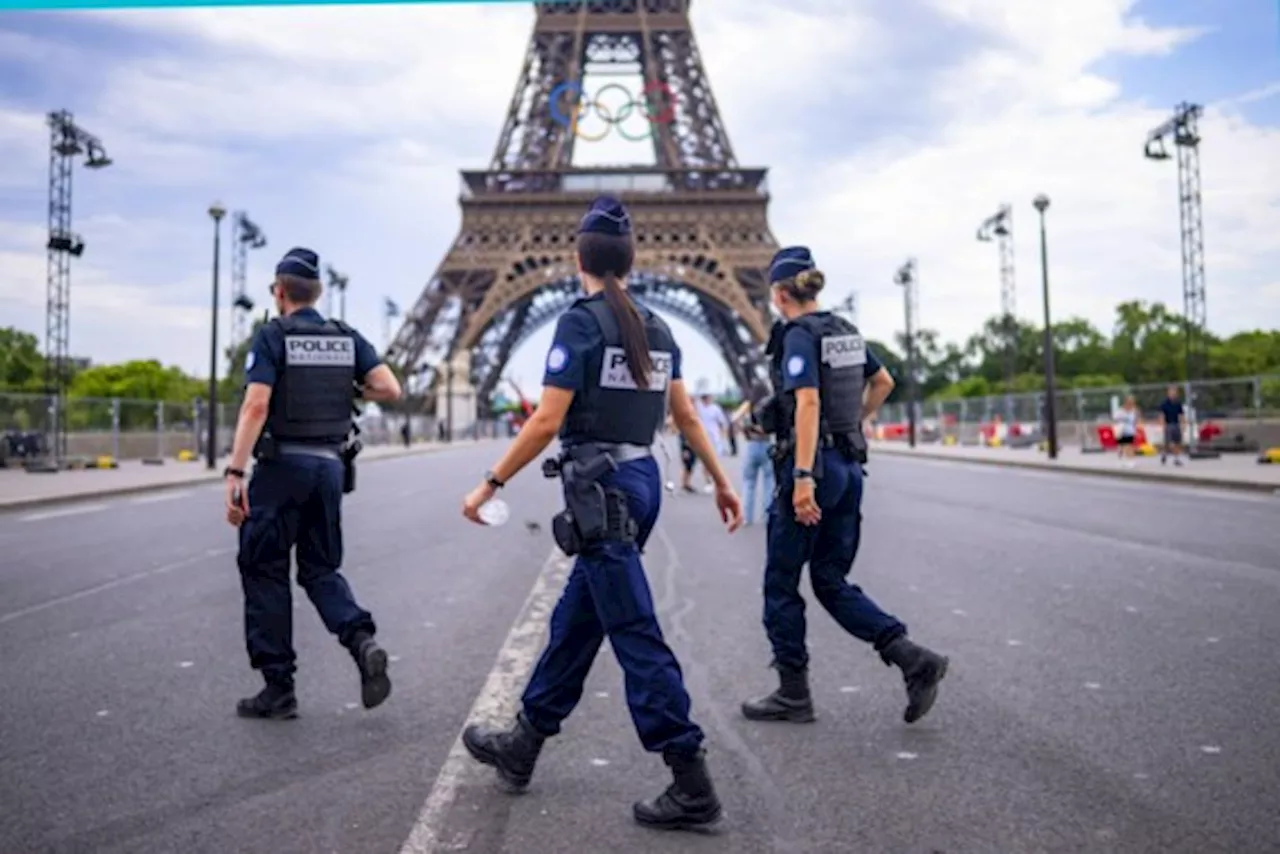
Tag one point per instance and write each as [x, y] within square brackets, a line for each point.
[829, 548]
[295, 500]
[607, 594]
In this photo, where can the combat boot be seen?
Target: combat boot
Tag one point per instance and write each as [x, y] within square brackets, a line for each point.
[513, 752]
[371, 659]
[922, 670]
[274, 702]
[689, 803]
[791, 702]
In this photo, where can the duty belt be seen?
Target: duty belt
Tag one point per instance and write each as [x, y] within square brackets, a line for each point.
[621, 453]
[322, 451]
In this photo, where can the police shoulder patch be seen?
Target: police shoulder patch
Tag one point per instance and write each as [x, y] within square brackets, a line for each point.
[557, 359]
[795, 366]
[250, 360]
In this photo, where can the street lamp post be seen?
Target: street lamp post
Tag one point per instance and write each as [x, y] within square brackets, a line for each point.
[906, 277]
[216, 213]
[1041, 203]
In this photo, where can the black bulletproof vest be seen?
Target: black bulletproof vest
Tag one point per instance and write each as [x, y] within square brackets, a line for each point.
[842, 355]
[611, 410]
[311, 401]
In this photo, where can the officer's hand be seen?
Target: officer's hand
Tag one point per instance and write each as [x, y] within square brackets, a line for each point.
[237, 501]
[474, 500]
[730, 507]
[806, 506]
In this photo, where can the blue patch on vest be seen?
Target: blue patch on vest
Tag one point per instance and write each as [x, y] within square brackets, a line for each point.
[795, 366]
[557, 359]
[249, 361]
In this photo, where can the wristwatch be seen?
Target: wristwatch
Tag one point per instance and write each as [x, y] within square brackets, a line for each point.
[802, 474]
[236, 473]
[492, 479]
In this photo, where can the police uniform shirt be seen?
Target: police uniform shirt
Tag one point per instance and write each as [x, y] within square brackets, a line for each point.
[577, 338]
[266, 354]
[800, 364]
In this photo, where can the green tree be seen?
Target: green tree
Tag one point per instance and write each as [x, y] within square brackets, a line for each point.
[21, 363]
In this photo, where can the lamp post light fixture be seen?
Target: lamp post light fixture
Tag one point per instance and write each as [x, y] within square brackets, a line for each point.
[216, 213]
[1041, 204]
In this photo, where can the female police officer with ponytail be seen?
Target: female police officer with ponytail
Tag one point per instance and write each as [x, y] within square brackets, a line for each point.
[821, 367]
[607, 370]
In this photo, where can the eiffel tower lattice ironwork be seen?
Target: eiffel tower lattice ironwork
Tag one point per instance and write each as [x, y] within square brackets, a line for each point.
[703, 242]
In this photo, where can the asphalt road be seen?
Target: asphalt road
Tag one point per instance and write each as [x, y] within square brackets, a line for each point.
[1113, 681]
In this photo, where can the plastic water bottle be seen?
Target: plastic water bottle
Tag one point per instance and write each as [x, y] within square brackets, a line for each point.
[494, 512]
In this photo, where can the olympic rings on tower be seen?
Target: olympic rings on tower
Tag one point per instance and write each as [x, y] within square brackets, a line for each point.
[663, 112]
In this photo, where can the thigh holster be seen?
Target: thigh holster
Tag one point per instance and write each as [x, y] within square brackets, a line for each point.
[593, 512]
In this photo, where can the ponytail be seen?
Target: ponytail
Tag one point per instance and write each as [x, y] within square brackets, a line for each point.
[635, 341]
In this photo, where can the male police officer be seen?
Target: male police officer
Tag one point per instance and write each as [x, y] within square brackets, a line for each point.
[821, 368]
[301, 373]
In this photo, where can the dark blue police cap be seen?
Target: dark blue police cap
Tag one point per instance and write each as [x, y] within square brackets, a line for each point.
[789, 261]
[606, 216]
[299, 262]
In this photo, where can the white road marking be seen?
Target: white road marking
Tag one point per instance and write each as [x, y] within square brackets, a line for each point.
[497, 703]
[65, 511]
[102, 713]
[111, 585]
[959, 612]
[1211, 640]
[185, 664]
[1210, 748]
[1092, 686]
[849, 689]
[599, 763]
[602, 694]
[906, 755]
[157, 497]
[1014, 642]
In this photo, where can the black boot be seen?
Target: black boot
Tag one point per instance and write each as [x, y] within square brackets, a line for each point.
[791, 702]
[371, 659]
[922, 669]
[274, 702]
[689, 803]
[513, 752]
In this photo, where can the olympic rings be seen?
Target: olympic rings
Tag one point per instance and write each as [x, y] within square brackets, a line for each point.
[654, 91]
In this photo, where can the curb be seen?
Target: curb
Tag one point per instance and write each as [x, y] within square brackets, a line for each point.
[141, 488]
[1143, 477]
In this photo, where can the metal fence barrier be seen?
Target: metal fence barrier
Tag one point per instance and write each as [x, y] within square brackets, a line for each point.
[125, 429]
[1247, 406]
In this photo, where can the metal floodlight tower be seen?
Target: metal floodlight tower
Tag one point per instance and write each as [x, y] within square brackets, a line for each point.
[906, 279]
[847, 308]
[337, 282]
[245, 235]
[67, 141]
[999, 227]
[1186, 139]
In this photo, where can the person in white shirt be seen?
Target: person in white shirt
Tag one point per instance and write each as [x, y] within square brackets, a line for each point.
[1127, 430]
[715, 422]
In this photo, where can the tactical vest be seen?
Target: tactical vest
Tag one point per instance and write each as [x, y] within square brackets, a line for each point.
[842, 356]
[611, 410]
[311, 401]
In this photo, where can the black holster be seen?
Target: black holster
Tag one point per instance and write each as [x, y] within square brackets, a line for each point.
[266, 448]
[593, 512]
[348, 455]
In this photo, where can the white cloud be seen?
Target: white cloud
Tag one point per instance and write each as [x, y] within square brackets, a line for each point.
[889, 131]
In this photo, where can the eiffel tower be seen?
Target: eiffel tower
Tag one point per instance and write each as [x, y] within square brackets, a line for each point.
[703, 243]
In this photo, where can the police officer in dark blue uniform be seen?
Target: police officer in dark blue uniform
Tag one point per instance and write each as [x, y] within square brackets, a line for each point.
[820, 366]
[302, 373]
[606, 373]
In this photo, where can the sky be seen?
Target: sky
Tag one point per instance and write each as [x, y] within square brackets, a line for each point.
[891, 130]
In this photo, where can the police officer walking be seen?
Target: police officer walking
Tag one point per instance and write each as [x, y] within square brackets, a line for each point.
[609, 365]
[820, 367]
[302, 372]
